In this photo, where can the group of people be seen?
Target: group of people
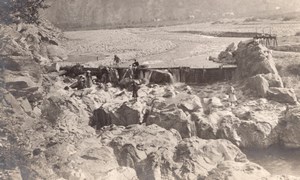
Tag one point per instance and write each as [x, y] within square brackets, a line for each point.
[133, 68]
[83, 81]
[105, 75]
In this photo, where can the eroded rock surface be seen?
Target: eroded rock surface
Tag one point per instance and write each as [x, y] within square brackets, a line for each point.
[252, 59]
[255, 63]
[290, 131]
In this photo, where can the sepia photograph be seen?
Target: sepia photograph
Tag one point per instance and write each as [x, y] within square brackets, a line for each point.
[150, 89]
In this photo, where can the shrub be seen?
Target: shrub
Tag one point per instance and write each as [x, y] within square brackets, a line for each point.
[252, 19]
[288, 18]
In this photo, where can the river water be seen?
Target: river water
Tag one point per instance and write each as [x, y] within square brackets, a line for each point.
[276, 160]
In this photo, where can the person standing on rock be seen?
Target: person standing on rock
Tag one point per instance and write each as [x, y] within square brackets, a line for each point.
[105, 75]
[209, 106]
[135, 88]
[232, 97]
[135, 70]
[130, 70]
[89, 80]
[135, 63]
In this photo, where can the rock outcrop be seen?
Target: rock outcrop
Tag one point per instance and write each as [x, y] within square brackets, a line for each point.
[282, 95]
[259, 85]
[55, 52]
[156, 153]
[251, 124]
[227, 56]
[247, 129]
[171, 116]
[252, 59]
[255, 64]
[236, 170]
[161, 77]
[125, 114]
[290, 131]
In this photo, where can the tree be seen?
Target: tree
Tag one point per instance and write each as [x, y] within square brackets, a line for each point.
[23, 10]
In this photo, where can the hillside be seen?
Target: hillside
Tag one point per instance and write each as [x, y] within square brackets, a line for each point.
[69, 14]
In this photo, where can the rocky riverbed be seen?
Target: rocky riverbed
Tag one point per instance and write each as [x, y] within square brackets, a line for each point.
[48, 132]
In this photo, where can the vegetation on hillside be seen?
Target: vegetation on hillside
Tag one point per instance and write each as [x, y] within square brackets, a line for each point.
[15, 11]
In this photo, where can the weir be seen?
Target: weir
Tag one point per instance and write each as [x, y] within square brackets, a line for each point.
[195, 76]
[188, 75]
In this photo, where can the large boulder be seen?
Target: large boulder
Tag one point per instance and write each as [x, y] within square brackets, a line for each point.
[231, 47]
[226, 57]
[259, 85]
[191, 103]
[101, 117]
[245, 128]
[121, 173]
[274, 80]
[161, 77]
[237, 170]
[282, 95]
[13, 45]
[156, 153]
[10, 63]
[171, 117]
[18, 82]
[199, 157]
[291, 128]
[271, 87]
[252, 59]
[52, 108]
[132, 144]
[11, 102]
[21, 66]
[110, 113]
[147, 149]
[55, 52]
[206, 126]
[129, 113]
[88, 159]
[258, 132]
[25, 105]
[62, 110]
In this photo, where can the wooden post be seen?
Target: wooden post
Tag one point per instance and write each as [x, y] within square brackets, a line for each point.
[203, 74]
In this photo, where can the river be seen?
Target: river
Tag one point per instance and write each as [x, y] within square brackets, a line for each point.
[277, 160]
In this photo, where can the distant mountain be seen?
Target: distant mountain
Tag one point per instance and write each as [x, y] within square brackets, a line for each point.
[102, 13]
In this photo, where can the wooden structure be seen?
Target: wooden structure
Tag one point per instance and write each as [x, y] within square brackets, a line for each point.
[266, 39]
[192, 76]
